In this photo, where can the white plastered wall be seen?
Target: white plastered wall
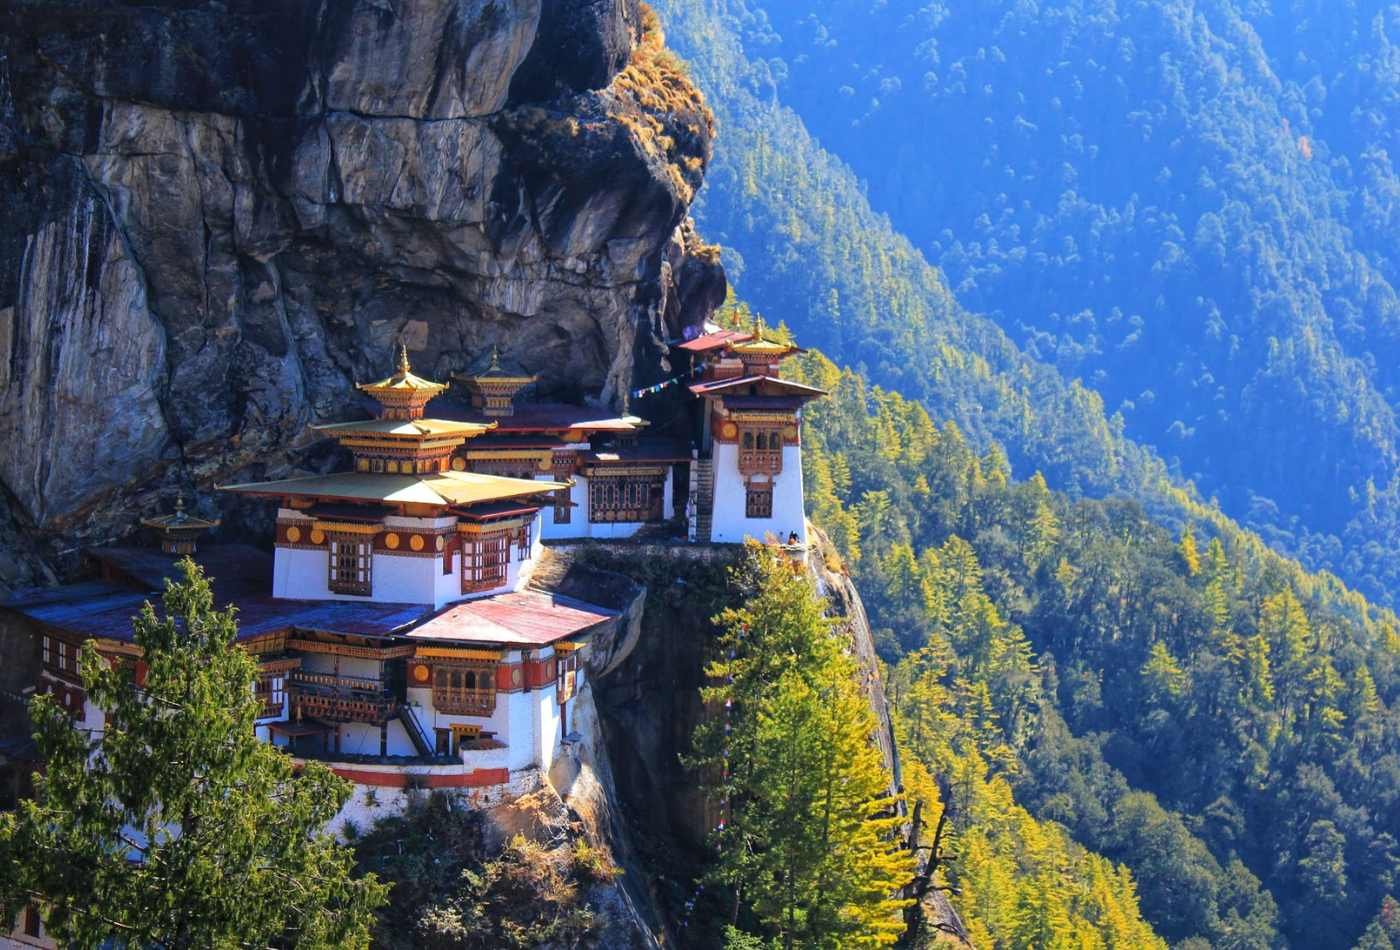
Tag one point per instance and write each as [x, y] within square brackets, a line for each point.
[731, 525]
[303, 573]
[580, 527]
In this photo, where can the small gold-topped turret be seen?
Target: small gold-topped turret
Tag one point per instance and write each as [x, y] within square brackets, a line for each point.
[759, 355]
[493, 390]
[180, 530]
[403, 395]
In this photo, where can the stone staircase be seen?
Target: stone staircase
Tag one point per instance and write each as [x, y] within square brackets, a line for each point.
[704, 498]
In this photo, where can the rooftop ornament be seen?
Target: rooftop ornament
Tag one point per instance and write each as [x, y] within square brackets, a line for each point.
[493, 390]
[180, 530]
[403, 395]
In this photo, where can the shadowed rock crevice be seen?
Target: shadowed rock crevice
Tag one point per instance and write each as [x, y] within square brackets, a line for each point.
[222, 215]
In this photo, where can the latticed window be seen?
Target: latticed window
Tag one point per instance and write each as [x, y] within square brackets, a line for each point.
[761, 451]
[271, 690]
[563, 508]
[758, 501]
[351, 558]
[485, 561]
[625, 497]
[464, 690]
[525, 538]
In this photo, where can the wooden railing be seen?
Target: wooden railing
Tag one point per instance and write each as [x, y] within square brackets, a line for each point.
[344, 708]
[755, 462]
[329, 681]
[464, 702]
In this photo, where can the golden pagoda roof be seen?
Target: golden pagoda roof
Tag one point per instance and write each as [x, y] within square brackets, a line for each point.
[403, 381]
[762, 347]
[494, 374]
[179, 520]
[407, 427]
[440, 489]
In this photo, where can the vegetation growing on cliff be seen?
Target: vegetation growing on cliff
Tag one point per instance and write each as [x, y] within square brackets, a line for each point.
[663, 109]
[1188, 703]
[174, 825]
[450, 889]
[807, 838]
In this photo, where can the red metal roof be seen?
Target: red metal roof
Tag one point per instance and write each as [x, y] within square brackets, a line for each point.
[784, 386]
[522, 618]
[714, 341]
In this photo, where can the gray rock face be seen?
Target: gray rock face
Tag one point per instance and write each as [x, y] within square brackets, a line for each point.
[219, 216]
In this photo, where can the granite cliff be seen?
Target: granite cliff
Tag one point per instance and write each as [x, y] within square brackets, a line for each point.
[219, 216]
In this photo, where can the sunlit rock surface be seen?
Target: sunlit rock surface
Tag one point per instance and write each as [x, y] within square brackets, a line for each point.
[219, 216]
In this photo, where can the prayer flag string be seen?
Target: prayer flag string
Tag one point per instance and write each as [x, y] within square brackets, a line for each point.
[658, 387]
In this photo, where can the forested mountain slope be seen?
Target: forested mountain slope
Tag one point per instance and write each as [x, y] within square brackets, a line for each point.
[1190, 207]
[1192, 705]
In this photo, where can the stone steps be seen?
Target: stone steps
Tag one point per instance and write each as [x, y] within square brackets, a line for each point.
[705, 498]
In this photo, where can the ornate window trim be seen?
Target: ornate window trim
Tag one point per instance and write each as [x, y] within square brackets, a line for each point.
[629, 498]
[485, 560]
[758, 500]
[271, 689]
[350, 563]
[464, 689]
[760, 450]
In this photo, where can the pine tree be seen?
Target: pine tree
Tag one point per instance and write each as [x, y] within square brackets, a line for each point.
[175, 826]
[1190, 556]
[808, 837]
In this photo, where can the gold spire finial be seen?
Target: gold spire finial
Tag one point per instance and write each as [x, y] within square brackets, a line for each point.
[180, 507]
[403, 358]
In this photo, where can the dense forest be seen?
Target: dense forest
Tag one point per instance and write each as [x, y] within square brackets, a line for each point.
[1190, 704]
[1184, 206]
[809, 847]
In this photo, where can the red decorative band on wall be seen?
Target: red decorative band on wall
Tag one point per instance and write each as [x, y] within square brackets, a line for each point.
[477, 778]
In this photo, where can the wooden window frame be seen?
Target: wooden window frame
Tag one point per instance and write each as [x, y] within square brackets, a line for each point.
[464, 689]
[563, 506]
[630, 499]
[271, 690]
[361, 546]
[525, 539]
[758, 500]
[761, 450]
[565, 685]
[485, 560]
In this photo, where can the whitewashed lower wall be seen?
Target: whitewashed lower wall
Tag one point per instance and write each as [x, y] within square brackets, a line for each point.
[730, 524]
[579, 526]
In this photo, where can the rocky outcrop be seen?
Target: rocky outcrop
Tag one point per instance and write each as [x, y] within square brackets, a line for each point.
[219, 216]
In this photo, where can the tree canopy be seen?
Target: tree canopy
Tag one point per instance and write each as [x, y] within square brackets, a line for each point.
[170, 823]
[1185, 702]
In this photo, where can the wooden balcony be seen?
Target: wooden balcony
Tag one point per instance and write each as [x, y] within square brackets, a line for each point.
[361, 684]
[464, 702]
[755, 462]
[344, 707]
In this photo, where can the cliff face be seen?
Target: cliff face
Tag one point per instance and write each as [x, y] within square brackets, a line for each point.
[219, 216]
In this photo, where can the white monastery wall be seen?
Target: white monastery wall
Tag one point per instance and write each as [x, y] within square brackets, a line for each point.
[731, 525]
[580, 527]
